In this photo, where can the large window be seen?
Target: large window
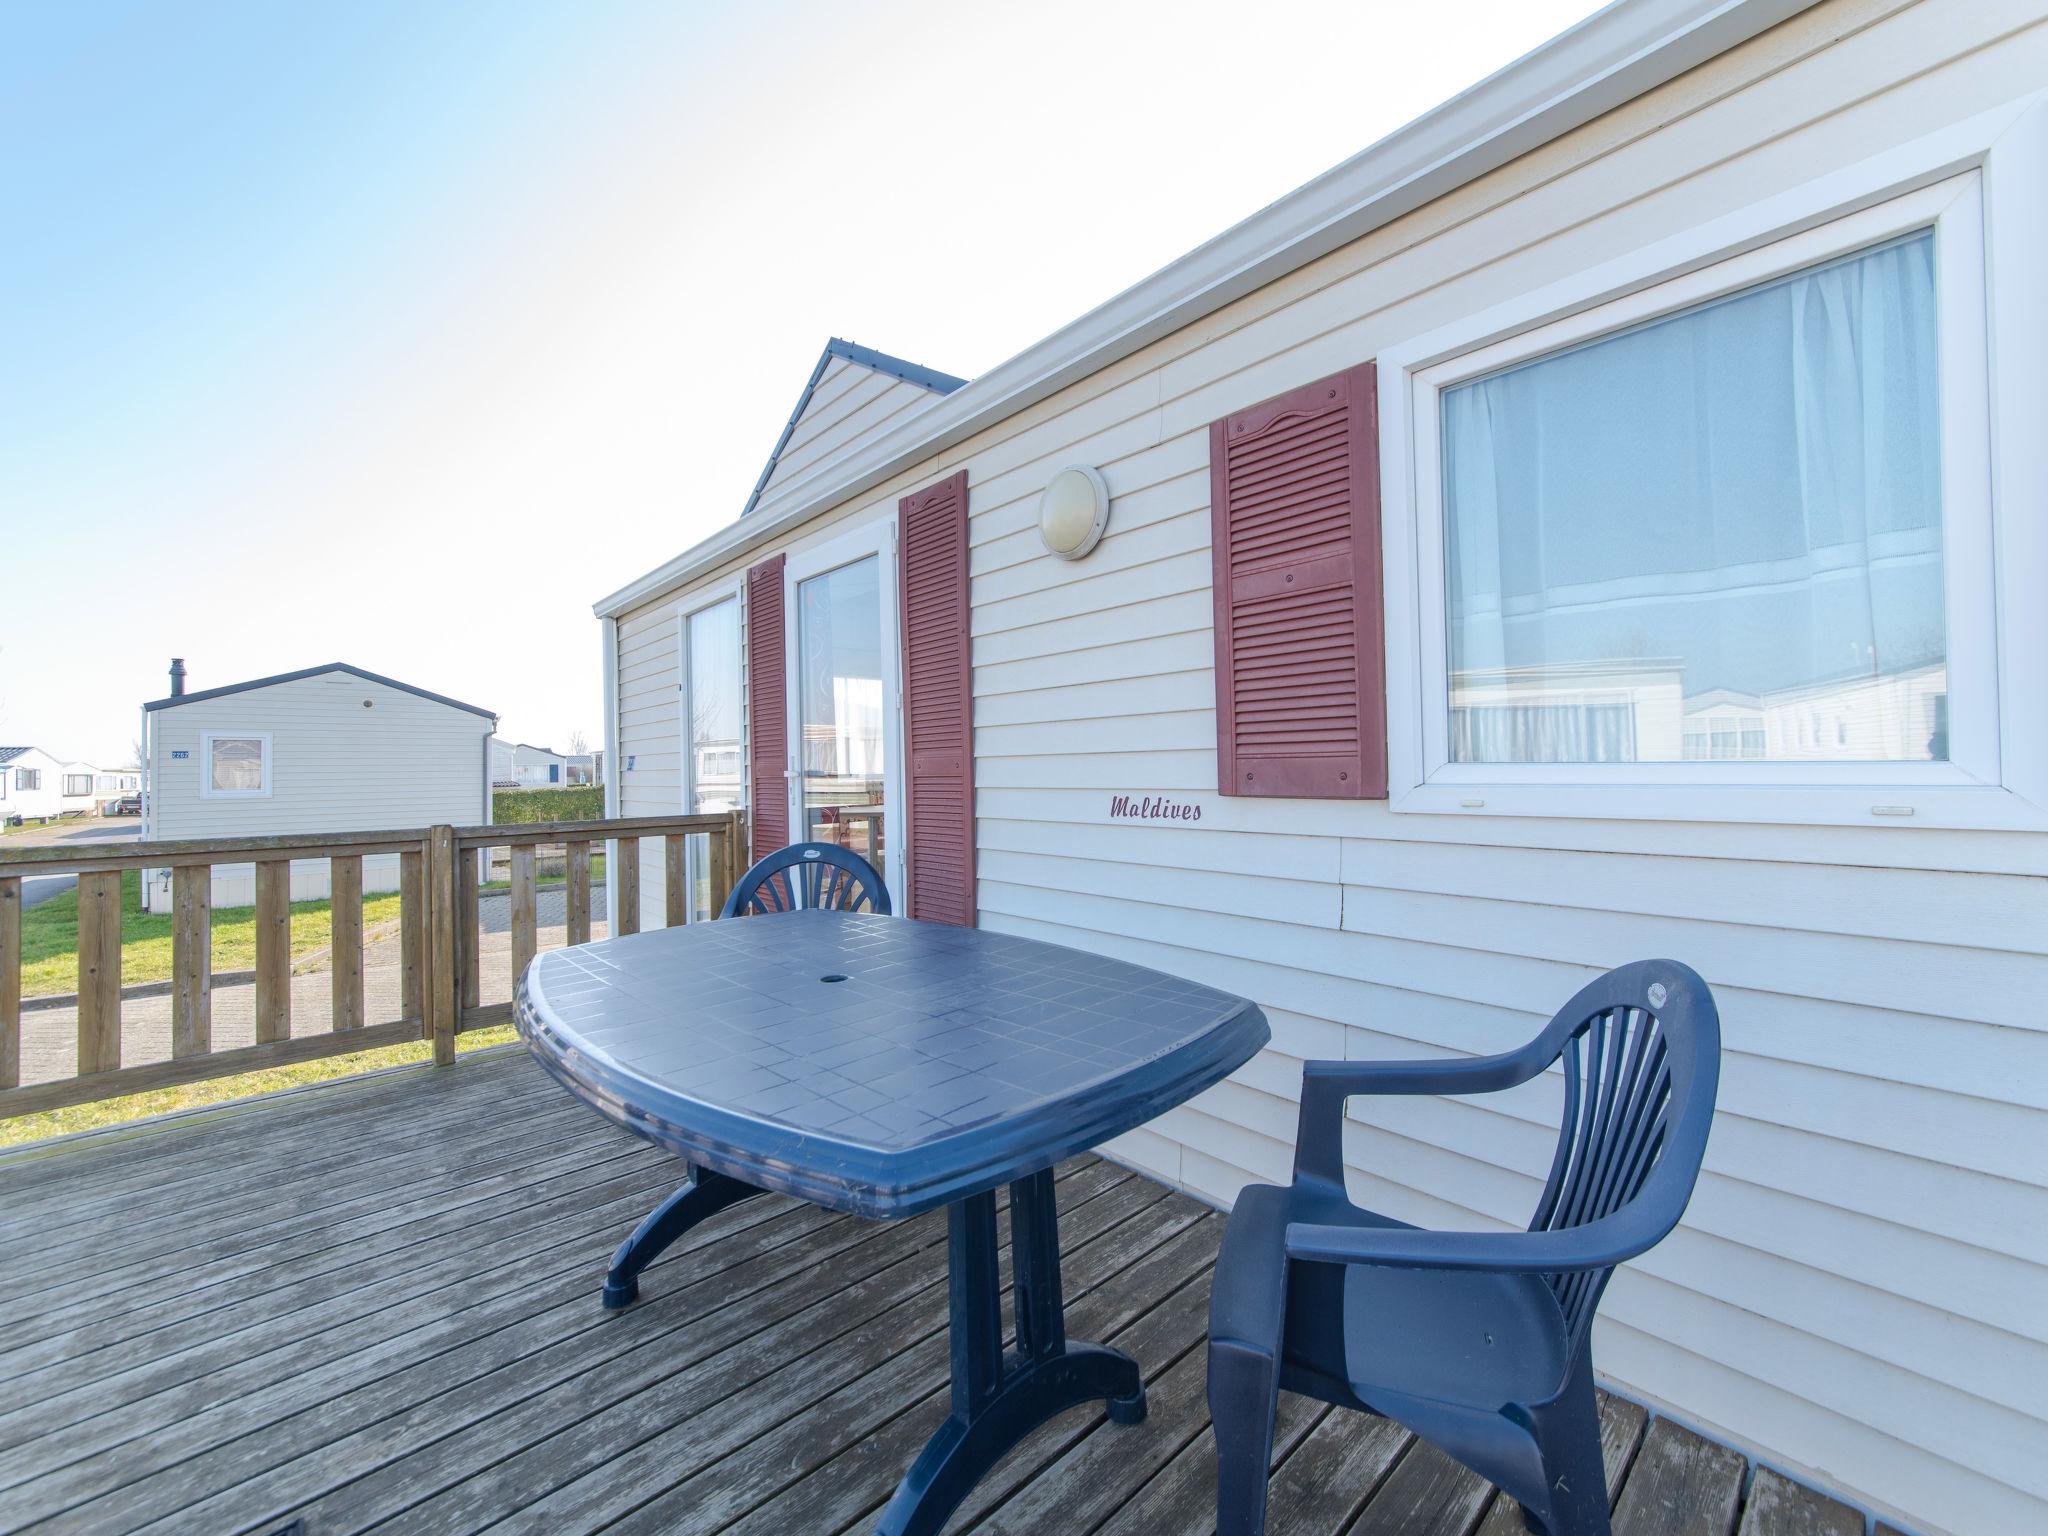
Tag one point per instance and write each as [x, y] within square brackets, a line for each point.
[28, 778]
[235, 765]
[711, 644]
[1712, 535]
[77, 784]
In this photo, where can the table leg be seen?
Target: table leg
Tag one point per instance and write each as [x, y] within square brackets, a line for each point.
[997, 1401]
[704, 1195]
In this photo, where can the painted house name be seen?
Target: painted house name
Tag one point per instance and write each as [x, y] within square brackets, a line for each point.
[1152, 808]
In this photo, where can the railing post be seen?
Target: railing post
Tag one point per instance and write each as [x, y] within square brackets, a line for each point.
[412, 936]
[10, 981]
[99, 972]
[469, 924]
[525, 910]
[442, 900]
[577, 917]
[191, 960]
[345, 939]
[627, 880]
[273, 950]
[728, 858]
[675, 905]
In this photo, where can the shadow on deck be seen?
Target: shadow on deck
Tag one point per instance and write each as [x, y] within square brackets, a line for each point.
[373, 1305]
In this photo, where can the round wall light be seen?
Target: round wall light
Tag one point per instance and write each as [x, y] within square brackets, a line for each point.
[1074, 511]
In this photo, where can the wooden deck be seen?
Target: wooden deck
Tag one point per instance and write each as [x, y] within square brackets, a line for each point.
[373, 1306]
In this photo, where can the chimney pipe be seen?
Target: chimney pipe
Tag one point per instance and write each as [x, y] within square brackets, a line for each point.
[177, 677]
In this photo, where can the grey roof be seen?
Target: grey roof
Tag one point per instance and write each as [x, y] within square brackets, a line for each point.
[332, 666]
[867, 357]
[9, 754]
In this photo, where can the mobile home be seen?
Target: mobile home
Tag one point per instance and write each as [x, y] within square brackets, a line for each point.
[328, 749]
[1604, 519]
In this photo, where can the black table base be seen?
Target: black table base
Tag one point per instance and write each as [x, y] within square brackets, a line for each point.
[704, 1195]
[1000, 1398]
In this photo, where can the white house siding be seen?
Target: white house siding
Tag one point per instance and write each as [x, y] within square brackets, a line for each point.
[1857, 1288]
[335, 767]
[47, 798]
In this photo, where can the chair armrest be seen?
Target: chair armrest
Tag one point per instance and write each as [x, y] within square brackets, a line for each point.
[1325, 1085]
[1596, 1245]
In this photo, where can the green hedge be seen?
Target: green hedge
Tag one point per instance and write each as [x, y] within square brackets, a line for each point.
[575, 802]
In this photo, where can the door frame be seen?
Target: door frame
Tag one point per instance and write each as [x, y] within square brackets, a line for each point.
[876, 538]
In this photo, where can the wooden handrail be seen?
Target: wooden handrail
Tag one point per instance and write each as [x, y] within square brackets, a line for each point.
[64, 860]
[440, 943]
[515, 833]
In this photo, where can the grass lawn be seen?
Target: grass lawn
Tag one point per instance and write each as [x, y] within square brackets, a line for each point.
[219, 1090]
[49, 937]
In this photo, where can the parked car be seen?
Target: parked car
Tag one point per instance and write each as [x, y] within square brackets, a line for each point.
[123, 805]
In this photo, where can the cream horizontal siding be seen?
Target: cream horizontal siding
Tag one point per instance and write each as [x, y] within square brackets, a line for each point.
[1856, 1288]
[334, 767]
[851, 404]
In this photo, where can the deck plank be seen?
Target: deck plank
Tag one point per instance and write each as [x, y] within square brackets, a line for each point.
[837, 1401]
[1777, 1506]
[374, 1306]
[1621, 1432]
[1683, 1485]
[563, 1423]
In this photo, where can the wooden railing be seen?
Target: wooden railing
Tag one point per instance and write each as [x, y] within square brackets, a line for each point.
[440, 982]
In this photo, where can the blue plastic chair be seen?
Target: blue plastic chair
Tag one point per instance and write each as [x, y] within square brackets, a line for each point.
[809, 875]
[813, 875]
[1479, 1342]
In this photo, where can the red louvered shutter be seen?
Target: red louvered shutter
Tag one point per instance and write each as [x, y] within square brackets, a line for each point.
[1300, 654]
[938, 705]
[767, 710]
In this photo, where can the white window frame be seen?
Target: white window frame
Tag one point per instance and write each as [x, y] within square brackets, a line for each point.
[206, 789]
[877, 538]
[734, 592]
[1983, 188]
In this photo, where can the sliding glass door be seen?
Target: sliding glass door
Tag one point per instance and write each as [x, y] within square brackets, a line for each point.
[842, 698]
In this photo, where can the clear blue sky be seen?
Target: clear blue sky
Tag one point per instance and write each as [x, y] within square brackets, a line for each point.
[396, 334]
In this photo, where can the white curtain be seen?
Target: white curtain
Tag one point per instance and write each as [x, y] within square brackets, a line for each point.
[1741, 500]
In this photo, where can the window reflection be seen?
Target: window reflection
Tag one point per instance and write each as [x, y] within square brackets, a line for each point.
[1714, 537]
[839, 705]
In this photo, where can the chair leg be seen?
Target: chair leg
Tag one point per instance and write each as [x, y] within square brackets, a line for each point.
[1243, 1397]
[1567, 1434]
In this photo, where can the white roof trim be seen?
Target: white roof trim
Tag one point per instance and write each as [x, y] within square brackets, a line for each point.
[1613, 56]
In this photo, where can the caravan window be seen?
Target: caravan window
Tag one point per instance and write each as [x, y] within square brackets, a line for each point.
[1715, 545]
[235, 765]
[1695, 538]
[77, 783]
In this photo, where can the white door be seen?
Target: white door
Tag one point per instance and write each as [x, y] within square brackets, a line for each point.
[845, 770]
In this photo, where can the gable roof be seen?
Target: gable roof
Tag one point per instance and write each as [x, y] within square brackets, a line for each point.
[9, 754]
[1613, 56]
[861, 357]
[293, 677]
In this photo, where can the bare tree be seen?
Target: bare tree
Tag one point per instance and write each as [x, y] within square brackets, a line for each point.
[578, 744]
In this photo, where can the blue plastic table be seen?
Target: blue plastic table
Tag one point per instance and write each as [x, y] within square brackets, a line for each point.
[887, 1067]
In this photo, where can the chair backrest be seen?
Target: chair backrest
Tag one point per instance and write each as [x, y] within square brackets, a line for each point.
[809, 875]
[1641, 1051]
